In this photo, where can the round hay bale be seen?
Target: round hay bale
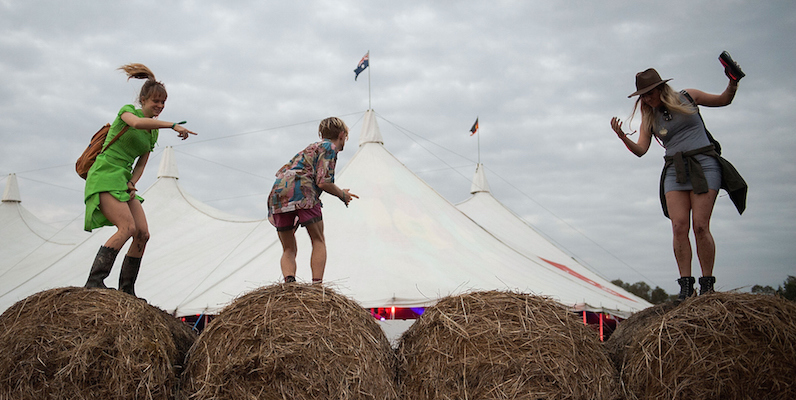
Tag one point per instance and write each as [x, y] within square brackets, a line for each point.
[630, 331]
[291, 341]
[717, 346]
[73, 342]
[503, 345]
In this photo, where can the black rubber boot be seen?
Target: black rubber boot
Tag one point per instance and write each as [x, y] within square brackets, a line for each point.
[706, 284]
[686, 287]
[129, 274]
[101, 268]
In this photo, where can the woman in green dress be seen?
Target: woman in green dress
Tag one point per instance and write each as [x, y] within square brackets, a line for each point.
[110, 194]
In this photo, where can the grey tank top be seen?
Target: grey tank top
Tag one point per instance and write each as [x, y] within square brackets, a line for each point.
[679, 132]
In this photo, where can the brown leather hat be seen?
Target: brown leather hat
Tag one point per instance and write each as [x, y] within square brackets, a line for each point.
[647, 80]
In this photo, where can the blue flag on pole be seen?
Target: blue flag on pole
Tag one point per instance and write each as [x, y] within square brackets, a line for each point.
[363, 63]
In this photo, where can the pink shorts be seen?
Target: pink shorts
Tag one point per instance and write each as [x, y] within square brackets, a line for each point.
[291, 219]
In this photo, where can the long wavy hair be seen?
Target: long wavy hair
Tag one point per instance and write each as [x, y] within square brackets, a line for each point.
[671, 101]
[151, 87]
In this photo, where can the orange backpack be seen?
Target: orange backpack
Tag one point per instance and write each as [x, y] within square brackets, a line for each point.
[86, 160]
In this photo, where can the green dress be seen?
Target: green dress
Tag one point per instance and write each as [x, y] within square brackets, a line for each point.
[114, 167]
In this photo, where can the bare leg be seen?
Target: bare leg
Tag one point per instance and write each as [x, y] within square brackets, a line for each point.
[289, 250]
[679, 207]
[318, 257]
[141, 235]
[702, 205]
[119, 215]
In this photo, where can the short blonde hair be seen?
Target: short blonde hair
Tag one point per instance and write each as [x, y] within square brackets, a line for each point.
[330, 128]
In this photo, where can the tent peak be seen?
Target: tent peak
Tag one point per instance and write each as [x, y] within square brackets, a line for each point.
[168, 165]
[370, 130]
[479, 180]
[11, 193]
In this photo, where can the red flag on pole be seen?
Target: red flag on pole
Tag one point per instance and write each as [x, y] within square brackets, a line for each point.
[474, 129]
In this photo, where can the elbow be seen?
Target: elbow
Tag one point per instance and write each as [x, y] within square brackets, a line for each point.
[134, 124]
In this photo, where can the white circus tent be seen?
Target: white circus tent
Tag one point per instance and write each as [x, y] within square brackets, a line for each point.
[400, 245]
[28, 246]
[508, 227]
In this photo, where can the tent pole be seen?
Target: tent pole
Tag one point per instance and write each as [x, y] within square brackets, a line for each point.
[479, 146]
[602, 338]
[370, 107]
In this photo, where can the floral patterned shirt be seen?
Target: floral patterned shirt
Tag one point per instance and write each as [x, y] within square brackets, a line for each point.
[296, 185]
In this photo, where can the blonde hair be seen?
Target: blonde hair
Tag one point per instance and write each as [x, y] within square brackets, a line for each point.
[670, 99]
[151, 87]
[330, 128]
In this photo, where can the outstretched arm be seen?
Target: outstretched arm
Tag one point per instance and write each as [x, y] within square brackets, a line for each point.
[638, 148]
[137, 122]
[342, 194]
[715, 100]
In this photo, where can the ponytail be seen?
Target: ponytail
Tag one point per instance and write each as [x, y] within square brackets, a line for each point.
[150, 87]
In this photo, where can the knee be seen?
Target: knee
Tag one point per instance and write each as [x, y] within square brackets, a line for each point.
[318, 241]
[142, 236]
[701, 229]
[680, 228]
[289, 249]
[289, 254]
[126, 230]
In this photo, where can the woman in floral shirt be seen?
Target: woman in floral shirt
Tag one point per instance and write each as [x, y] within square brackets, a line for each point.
[295, 197]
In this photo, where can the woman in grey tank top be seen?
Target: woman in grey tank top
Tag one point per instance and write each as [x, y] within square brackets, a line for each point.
[675, 123]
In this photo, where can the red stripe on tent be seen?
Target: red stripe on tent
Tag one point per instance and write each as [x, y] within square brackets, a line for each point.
[585, 279]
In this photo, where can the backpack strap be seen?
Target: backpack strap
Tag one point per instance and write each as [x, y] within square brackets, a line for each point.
[710, 136]
[688, 96]
[115, 138]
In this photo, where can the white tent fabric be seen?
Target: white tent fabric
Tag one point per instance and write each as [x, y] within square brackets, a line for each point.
[192, 246]
[27, 245]
[509, 228]
[401, 244]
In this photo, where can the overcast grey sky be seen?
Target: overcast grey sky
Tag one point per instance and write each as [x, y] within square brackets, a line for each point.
[253, 78]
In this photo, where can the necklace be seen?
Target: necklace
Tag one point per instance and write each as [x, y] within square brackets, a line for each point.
[666, 117]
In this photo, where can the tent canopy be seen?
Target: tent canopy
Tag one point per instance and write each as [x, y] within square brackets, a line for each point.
[401, 244]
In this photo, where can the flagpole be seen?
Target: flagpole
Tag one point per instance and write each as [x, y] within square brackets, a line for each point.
[369, 105]
[479, 145]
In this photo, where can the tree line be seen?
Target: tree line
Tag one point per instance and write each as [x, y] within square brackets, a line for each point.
[657, 296]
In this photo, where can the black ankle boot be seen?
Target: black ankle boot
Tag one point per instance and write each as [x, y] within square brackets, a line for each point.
[101, 268]
[706, 284]
[129, 274]
[686, 287]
